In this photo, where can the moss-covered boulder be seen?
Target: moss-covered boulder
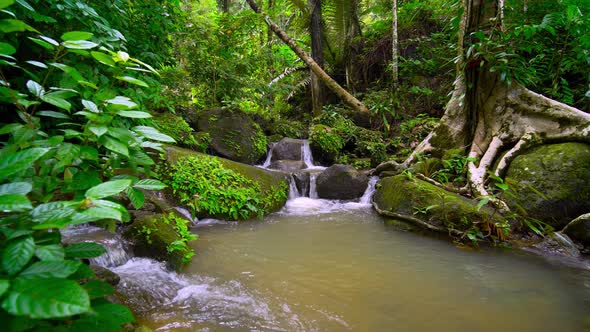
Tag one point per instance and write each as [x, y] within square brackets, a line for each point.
[220, 188]
[325, 144]
[408, 196]
[552, 182]
[579, 229]
[157, 236]
[341, 182]
[233, 135]
[288, 149]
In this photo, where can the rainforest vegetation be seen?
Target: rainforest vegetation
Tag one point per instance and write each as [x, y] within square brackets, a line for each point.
[92, 92]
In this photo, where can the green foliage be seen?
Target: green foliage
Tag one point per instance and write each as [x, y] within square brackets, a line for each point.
[325, 139]
[177, 128]
[206, 186]
[181, 227]
[69, 124]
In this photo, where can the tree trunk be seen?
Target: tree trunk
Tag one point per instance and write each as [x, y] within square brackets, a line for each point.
[346, 97]
[225, 6]
[317, 53]
[487, 116]
[394, 47]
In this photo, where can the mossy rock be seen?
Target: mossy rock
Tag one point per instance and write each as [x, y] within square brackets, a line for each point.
[266, 191]
[233, 135]
[579, 229]
[413, 197]
[325, 144]
[552, 182]
[341, 182]
[152, 235]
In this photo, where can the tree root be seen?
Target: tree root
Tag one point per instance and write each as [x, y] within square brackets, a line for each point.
[461, 191]
[417, 221]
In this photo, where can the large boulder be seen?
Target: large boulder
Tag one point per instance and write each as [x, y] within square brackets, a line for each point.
[221, 188]
[233, 135]
[552, 182]
[288, 165]
[287, 149]
[409, 196]
[341, 182]
[325, 144]
[579, 229]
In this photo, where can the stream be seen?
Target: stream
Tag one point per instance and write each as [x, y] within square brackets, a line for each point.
[322, 265]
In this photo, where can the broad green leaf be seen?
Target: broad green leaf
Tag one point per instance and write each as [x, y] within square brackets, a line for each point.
[52, 252]
[53, 210]
[134, 114]
[17, 254]
[90, 106]
[52, 298]
[49, 40]
[122, 103]
[136, 197]
[50, 269]
[14, 233]
[103, 58]
[79, 44]
[42, 43]
[19, 161]
[106, 316]
[37, 64]
[54, 99]
[7, 49]
[96, 213]
[150, 184]
[25, 5]
[11, 25]
[153, 133]
[68, 70]
[4, 284]
[112, 206]
[53, 114]
[88, 153]
[97, 289]
[84, 250]
[76, 35]
[107, 189]
[132, 80]
[5, 3]
[116, 146]
[35, 88]
[16, 188]
[98, 130]
[14, 203]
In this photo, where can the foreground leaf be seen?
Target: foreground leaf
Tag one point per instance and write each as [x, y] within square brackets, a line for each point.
[51, 269]
[52, 298]
[107, 189]
[19, 161]
[84, 250]
[17, 254]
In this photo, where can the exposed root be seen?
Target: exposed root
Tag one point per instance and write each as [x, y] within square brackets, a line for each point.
[417, 221]
[524, 143]
[462, 190]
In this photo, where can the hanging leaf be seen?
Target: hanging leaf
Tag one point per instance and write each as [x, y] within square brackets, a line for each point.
[17, 254]
[52, 298]
[53, 114]
[116, 146]
[98, 130]
[134, 114]
[11, 25]
[150, 184]
[153, 133]
[79, 44]
[7, 49]
[5, 3]
[103, 58]
[37, 64]
[132, 80]
[54, 99]
[122, 103]
[4, 285]
[76, 35]
[16, 188]
[97, 289]
[14, 203]
[84, 250]
[107, 189]
[35, 88]
[136, 197]
[19, 161]
[52, 252]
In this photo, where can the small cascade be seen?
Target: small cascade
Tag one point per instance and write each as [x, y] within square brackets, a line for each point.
[366, 198]
[266, 163]
[312, 187]
[306, 154]
[293, 192]
[118, 250]
[186, 214]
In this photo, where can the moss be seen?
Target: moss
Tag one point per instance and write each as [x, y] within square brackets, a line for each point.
[327, 143]
[409, 196]
[177, 128]
[226, 189]
[259, 141]
[153, 235]
[202, 141]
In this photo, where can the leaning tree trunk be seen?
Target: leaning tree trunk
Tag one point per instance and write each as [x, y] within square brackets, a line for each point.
[317, 54]
[344, 95]
[394, 46]
[487, 116]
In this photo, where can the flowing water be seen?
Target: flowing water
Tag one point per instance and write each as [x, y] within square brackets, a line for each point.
[320, 265]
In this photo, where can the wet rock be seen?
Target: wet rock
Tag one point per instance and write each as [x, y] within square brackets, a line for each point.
[302, 182]
[341, 182]
[287, 149]
[233, 135]
[552, 182]
[557, 244]
[579, 229]
[105, 275]
[288, 165]
[409, 196]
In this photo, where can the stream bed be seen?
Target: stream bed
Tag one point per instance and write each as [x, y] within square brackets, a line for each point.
[321, 265]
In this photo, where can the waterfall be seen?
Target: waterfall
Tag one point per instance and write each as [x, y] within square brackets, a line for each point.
[366, 198]
[266, 163]
[312, 187]
[293, 192]
[118, 250]
[306, 154]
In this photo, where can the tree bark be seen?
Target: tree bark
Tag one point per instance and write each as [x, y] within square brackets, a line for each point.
[394, 47]
[344, 95]
[317, 54]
